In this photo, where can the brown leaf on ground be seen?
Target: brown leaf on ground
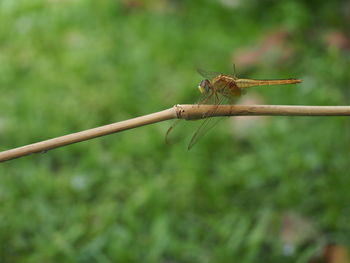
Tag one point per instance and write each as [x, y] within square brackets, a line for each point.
[273, 46]
[338, 40]
[333, 254]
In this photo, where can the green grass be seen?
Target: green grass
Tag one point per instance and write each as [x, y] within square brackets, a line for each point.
[67, 66]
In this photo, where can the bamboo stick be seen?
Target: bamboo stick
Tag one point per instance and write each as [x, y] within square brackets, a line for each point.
[185, 111]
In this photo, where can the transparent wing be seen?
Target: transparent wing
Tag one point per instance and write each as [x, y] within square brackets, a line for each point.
[204, 99]
[207, 74]
[212, 74]
[234, 70]
[168, 132]
[208, 123]
[203, 129]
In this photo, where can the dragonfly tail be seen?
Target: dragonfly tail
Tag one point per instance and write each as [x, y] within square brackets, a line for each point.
[247, 83]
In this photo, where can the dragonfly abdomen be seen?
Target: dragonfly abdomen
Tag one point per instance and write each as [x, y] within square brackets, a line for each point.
[247, 83]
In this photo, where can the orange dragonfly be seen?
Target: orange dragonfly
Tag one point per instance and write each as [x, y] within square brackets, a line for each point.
[218, 89]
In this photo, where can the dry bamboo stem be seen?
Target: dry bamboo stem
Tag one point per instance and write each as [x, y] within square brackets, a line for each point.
[44, 146]
[188, 112]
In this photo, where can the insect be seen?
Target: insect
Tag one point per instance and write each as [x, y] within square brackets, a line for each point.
[218, 89]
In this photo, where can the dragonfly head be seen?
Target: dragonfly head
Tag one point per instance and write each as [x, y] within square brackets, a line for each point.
[204, 86]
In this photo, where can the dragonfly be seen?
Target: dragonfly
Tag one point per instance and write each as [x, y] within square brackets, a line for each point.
[218, 89]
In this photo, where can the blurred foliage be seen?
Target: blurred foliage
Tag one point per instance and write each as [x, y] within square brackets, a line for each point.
[69, 65]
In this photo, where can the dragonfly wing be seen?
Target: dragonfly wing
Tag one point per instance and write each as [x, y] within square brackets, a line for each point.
[203, 129]
[207, 74]
[204, 99]
[167, 135]
[208, 123]
[234, 70]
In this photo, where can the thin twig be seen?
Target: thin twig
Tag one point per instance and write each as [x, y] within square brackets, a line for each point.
[188, 112]
[44, 146]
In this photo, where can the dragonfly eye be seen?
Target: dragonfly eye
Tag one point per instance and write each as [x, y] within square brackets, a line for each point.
[204, 86]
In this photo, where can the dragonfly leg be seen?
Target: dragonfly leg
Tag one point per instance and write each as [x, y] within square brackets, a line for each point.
[204, 101]
[216, 98]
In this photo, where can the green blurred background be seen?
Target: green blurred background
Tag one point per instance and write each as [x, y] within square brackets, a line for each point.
[271, 189]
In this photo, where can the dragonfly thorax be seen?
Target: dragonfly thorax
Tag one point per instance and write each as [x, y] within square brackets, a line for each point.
[204, 86]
